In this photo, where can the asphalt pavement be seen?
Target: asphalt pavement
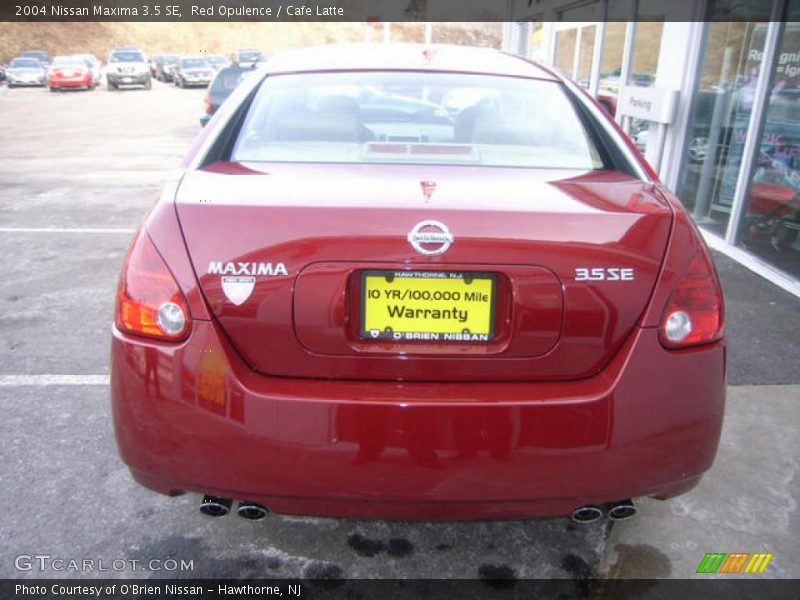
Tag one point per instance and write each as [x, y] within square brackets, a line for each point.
[78, 171]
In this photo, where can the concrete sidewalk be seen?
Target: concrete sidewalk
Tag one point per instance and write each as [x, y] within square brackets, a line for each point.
[746, 503]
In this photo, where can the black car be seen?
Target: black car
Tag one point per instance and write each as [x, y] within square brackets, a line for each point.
[39, 55]
[221, 87]
[193, 71]
[165, 66]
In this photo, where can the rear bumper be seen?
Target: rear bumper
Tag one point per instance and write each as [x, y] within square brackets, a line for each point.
[79, 82]
[132, 79]
[193, 417]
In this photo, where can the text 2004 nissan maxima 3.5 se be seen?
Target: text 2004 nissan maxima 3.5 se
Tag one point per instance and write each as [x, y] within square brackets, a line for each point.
[417, 282]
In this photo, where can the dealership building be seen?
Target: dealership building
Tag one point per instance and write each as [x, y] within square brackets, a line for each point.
[710, 91]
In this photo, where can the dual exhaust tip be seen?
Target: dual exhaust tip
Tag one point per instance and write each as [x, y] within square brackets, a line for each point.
[213, 506]
[615, 511]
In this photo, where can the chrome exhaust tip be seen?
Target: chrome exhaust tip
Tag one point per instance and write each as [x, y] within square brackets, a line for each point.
[215, 507]
[586, 514]
[622, 510]
[251, 511]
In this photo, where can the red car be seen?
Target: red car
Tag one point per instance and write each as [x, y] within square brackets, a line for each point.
[69, 72]
[355, 303]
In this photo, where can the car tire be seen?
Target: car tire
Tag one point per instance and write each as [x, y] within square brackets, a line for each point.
[111, 87]
[53, 89]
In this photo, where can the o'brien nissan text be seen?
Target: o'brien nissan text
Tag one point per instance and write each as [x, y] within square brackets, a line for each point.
[137, 590]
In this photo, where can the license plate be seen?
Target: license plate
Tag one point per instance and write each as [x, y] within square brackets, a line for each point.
[126, 80]
[435, 306]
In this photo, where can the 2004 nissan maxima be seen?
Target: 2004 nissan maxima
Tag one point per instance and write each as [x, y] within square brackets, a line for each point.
[392, 309]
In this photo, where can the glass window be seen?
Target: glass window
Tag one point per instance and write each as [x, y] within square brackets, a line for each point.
[194, 63]
[585, 54]
[565, 49]
[719, 121]
[126, 57]
[770, 226]
[377, 117]
[25, 63]
[611, 62]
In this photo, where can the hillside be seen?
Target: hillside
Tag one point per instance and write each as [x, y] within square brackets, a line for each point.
[220, 38]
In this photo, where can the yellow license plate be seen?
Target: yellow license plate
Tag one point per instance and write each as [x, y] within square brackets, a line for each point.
[437, 306]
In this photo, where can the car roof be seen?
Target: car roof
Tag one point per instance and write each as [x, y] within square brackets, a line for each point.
[434, 57]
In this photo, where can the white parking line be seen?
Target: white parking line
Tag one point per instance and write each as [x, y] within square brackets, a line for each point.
[61, 230]
[46, 380]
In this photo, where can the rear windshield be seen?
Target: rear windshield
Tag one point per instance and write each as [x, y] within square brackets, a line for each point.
[25, 63]
[67, 60]
[415, 117]
[127, 57]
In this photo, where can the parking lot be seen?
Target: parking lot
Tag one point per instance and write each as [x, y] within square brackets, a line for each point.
[78, 171]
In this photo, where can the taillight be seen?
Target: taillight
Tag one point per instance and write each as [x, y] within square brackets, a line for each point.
[694, 313]
[149, 301]
[207, 100]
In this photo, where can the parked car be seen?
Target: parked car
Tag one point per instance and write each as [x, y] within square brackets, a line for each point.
[225, 81]
[248, 57]
[165, 67]
[2, 72]
[193, 71]
[339, 315]
[39, 55]
[25, 71]
[217, 61]
[127, 67]
[95, 67]
[69, 72]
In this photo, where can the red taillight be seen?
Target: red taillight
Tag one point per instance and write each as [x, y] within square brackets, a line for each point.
[207, 100]
[694, 314]
[149, 301]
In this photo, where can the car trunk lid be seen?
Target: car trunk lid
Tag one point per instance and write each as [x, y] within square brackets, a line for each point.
[554, 267]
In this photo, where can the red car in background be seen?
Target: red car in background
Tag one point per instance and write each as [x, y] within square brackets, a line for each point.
[356, 303]
[70, 72]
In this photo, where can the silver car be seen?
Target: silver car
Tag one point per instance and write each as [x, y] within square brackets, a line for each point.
[26, 71]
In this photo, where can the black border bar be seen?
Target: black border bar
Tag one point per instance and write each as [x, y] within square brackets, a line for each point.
[365, 10]
[733, 587]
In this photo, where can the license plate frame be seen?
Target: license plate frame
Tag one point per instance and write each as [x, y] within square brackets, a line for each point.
[458, 296]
